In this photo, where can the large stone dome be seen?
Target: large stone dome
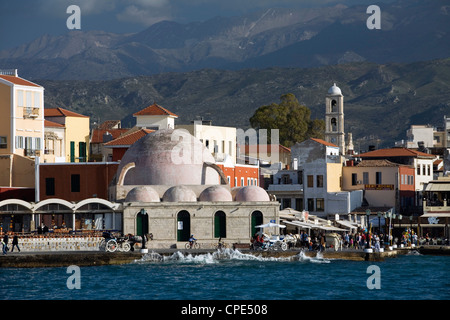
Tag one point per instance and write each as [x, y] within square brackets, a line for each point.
[168, 157]
[251, 193]
[215, 193]
[142, 194]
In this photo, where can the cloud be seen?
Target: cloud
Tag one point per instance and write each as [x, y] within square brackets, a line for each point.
[145, 15]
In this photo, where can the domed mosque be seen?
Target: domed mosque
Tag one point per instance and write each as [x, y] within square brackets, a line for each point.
[171, 188]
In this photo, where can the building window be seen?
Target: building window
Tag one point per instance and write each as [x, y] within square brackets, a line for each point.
[319, 181]
[20, 98]
[365, 178]
[242, 182]
[310, 181]
[19, 142]
[418, 169]
[333, 124]
[75, 183]
[49, 186]
[300, 177]
[235, 182]
[354, 179]
[310, 204]
[3, 142]
[298, 203]
[378, 178]
[28, 101]
[320, 204]
[82, 151]
[429, 170]
[37, 100]
[286, 203]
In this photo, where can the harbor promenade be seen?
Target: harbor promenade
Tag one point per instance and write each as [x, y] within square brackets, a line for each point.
[99, 258]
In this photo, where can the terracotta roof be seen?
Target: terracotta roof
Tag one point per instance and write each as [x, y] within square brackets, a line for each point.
[109, 124]
[19, 81]
[60, 112]
[52, 124]
[324, 142]
[128, 139]
[378, 163]
[155, 110]
[97, 134]
[394, 152]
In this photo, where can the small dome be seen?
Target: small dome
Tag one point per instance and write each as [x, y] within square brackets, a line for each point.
[215, 193]
[179, 194]
[142, 194]
[252, 193]
[335, 91]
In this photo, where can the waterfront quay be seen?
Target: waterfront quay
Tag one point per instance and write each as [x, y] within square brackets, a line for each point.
[99, 258]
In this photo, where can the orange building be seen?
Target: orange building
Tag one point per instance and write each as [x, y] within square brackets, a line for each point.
[241, 175]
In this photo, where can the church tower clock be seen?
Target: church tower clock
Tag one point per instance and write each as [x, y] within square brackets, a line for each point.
[334, 118]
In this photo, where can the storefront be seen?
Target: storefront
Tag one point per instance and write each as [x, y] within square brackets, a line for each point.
[59, 216]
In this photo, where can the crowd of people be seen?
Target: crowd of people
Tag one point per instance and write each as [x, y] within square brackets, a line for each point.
[351, 240]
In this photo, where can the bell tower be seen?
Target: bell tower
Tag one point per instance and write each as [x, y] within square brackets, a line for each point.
[334, 118]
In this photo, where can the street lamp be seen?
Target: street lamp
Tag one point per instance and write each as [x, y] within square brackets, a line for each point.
[367, 228]
[379, 223]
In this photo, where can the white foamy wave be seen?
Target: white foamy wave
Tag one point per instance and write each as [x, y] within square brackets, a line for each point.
[224, 255]
[317, 259]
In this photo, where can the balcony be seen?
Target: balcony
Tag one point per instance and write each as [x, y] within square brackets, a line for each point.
[31, 152]
[30, 112]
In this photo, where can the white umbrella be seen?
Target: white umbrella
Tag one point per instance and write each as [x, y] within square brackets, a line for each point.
[270, 225]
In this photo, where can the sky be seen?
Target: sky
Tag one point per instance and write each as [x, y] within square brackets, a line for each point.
[22, 21]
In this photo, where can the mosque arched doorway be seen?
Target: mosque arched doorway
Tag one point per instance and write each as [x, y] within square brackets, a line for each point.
[257, 219]
[220, 225]
[142, 223]
[183, 226]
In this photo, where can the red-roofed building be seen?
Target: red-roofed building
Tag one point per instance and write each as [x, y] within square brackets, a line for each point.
[76, 134]
[155, 117]
[107, 131]
[121, 144]
[420, 161]
[385, 184]
[21, 128]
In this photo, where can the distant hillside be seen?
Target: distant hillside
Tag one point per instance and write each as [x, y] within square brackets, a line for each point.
[411, 30]
[381, 101]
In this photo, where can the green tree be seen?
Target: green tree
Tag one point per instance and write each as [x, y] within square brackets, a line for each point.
[292, 119]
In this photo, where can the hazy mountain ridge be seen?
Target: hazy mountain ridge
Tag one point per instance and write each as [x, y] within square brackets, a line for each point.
[411, 30]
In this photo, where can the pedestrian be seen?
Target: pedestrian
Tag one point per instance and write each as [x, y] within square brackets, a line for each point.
[15, 243]
[5, 244]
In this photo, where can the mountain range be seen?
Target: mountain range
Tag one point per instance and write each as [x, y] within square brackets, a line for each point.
[411, 30]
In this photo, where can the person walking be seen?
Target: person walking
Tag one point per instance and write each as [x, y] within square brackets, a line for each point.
[5, 244]
[15, 243]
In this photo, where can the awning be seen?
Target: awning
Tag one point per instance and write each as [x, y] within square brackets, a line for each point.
[299, 224]
[347, 224]
[436, 215]
[437, 187]
[331, 228]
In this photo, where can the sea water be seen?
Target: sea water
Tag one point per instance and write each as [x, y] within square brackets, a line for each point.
[232, 275]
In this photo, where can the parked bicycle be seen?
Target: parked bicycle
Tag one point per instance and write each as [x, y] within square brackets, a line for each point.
[111, 243]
